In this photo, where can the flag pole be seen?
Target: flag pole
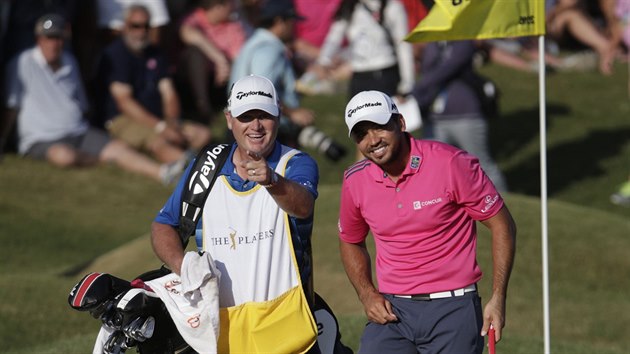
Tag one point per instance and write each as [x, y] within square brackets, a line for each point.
[543, 188]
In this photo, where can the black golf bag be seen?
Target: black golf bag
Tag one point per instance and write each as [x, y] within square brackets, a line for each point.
[134, 316]
[138, 318]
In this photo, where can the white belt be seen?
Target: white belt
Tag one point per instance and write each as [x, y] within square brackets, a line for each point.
[441, 294]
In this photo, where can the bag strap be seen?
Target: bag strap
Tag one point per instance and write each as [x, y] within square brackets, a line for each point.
[199, 182]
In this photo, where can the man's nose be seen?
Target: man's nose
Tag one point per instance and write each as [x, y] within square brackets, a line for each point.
[372, 137]
[257, 123]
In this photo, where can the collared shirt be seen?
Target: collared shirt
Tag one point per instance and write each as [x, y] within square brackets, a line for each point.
[264, 54]
[143, 73]
[424, 224]
[301, 168]
[51, 103]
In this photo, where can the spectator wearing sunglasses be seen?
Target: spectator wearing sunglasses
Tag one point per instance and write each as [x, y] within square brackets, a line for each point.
[138, 101]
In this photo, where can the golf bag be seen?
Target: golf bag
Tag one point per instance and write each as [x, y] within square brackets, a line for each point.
[131, 315]
[328, 336]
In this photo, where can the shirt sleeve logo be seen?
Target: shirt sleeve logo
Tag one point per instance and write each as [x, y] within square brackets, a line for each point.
[490, 201]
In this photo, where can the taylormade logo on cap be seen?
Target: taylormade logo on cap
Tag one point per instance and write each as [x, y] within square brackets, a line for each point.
[253, 92]
[241, 95]
[372, 106]
[353, 110]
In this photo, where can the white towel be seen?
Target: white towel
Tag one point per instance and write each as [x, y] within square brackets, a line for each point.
[197, 268]
[103, 335]
[193, 300]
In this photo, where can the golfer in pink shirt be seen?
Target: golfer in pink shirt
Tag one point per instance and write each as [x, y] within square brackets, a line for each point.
[420, 200]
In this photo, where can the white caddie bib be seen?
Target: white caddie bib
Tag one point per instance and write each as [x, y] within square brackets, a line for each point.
[260, 291]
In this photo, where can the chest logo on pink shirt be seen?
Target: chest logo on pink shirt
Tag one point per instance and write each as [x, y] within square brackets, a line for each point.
[417, 205]
[415, 162]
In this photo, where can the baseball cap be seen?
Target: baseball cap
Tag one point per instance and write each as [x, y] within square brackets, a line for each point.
[372, 106]
[282, 8]
[50, 25]
[253, 92]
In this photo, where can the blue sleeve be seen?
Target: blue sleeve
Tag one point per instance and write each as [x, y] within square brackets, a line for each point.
[289, 94]
[265, 63]
[272, 63]
[302, 169]
[169, 214]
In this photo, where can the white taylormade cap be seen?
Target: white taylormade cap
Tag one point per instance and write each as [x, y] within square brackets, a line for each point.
[372, 106]
[253, 92]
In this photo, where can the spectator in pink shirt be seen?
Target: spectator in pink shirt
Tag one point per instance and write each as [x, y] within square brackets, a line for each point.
[420, 199]
[212, 39]
[622, 12]
[311, 32]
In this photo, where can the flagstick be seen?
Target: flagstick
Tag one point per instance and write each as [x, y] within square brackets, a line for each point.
[543, 186]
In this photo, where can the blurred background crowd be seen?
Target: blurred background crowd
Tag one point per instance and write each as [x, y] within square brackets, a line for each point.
[142, 83]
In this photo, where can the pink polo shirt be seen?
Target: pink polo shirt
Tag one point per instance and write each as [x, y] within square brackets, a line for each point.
[318, 16]
[423, 225]
[227, 36]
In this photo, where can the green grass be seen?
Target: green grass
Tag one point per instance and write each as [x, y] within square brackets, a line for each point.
[57, 225]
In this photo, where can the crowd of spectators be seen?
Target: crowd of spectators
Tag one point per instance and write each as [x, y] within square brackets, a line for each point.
[174, 92]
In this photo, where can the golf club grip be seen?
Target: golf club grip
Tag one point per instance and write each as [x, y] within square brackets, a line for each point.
[491, 341]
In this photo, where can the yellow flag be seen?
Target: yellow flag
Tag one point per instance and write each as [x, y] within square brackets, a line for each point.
[480, 19]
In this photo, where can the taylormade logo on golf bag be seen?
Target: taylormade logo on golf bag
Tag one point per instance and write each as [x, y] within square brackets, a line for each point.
[199, 181]
[204, 172]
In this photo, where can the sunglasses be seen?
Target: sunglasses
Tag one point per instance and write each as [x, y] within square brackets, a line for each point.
[138, 25]
[53, 37]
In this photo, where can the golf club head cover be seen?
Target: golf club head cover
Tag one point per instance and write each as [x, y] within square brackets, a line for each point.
[95, 289]
[138, 302]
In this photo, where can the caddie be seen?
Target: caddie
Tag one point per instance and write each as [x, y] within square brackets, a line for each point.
[257, 223]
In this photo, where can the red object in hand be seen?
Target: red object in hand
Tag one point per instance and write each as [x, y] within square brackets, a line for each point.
[491, 341]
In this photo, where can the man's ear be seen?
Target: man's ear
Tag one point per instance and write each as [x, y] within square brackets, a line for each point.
[403, 124]
[228, 119]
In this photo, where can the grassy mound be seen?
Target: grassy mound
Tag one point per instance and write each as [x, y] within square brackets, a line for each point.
[57, 225]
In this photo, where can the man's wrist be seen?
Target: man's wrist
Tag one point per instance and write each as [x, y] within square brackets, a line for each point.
[159, 127]
[273, 180]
